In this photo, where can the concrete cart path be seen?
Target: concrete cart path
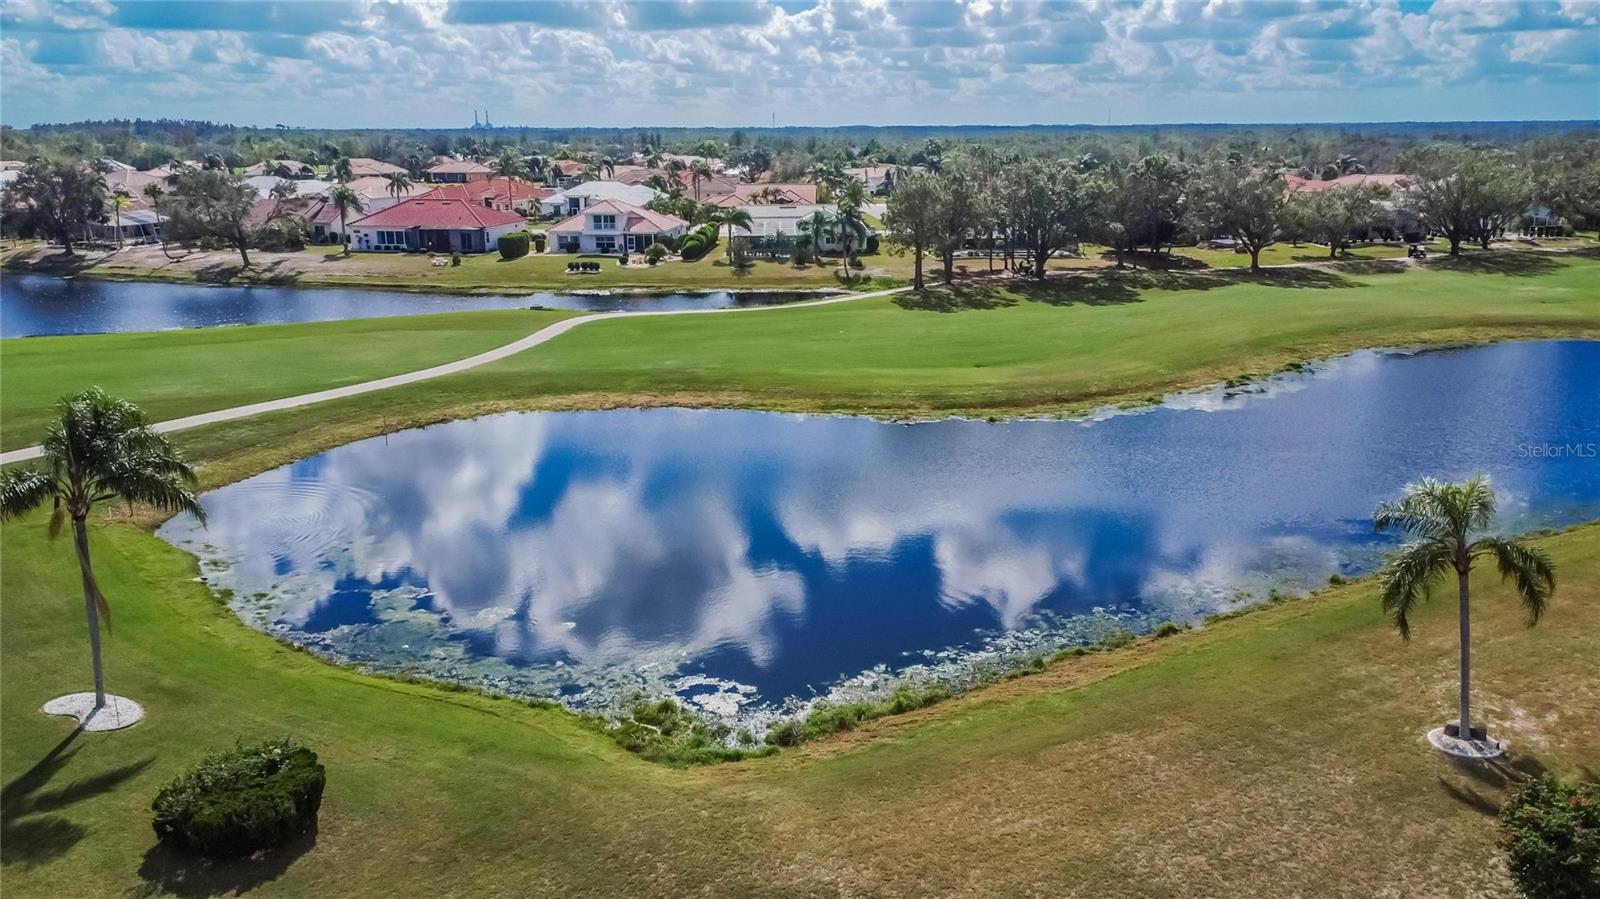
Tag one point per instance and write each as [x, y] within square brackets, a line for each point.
[548, 332]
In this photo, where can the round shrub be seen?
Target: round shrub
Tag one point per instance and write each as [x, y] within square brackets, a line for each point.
[241, 800]
[1550, 830]
[514, 245]
[655, 253]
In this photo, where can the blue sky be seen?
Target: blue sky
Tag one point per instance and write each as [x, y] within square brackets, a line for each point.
[728, 63]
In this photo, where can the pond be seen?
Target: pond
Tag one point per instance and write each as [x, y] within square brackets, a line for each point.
[33, 305]
[750, 562]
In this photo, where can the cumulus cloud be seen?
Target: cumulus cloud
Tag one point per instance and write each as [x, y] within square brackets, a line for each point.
[731, 62]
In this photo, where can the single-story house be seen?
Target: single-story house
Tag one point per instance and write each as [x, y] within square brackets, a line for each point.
[1296, 184]
[768, 221]
[436, 224]
[1397, 223]
[167, 170]
[612, 226]
[458, 171]
[767, 194]
[634, 174]
[878, 179]
[295, 168]
[268, 209]
[563, 172]
[504, 194]
[580, 196]
[362, 167]
[705, 188]
[309, 187]
[375, 192]
[137, 226]
[131, 183]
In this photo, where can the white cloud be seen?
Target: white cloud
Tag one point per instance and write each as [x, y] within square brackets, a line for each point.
[695, 62]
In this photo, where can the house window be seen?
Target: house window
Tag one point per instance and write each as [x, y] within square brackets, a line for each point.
[605, 223]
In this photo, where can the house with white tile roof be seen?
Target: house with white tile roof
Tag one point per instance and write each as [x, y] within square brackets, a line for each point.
[612, 226]
[580, 196]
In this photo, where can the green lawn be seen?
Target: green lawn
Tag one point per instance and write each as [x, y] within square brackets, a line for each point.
[327, 266]
[1067, 346]
[981, 349]
[176, 373]
[1276, 754]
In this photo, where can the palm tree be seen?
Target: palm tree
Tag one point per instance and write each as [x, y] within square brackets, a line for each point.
[536, 166]
[731, 217]
[814, 229]
[154, 191]
[99, 449]
[608, 165]
[850, 226]
[1439, 519]
[829, 174]
[346, 201]
[119, 202]
[698, 172]
[510, 163]
[1349, 165]
[342, 172]
[399, 184]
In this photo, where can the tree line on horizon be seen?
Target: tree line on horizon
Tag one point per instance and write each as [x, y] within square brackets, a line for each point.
[1029, 210]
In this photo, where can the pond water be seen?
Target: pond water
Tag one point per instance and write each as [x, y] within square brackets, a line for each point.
[32, 305]
[749, 562]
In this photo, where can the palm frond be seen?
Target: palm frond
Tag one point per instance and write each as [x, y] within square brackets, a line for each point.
[102, 607]
[22, 491]
[1408, 578]
[1528, 566]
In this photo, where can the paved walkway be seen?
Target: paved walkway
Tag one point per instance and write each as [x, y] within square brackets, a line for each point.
[548, 332]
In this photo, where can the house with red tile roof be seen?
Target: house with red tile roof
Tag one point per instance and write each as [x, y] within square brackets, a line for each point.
[364, 167]
[612, 226]
[1299, 185]
[433, 224]
[504, 194]
[458, 171]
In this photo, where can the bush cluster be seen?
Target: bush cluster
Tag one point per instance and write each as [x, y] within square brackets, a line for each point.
[1550, 831]
[241, 800]
[582, 267]
[666, 731]
[831, 719]
[655, 253]
[285, 235]
[515, 245]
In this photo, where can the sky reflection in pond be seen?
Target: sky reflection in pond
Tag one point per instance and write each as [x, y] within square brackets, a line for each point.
[35, 305]
[743, 558]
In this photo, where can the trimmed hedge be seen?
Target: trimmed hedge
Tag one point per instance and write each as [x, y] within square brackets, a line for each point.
[514, 245]
[698, 242]
[241, 800]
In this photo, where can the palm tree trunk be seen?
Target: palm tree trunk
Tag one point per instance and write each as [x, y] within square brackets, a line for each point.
[80, 539]
[1466, 661]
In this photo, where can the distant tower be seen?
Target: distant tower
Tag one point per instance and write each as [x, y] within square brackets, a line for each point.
[474, 118]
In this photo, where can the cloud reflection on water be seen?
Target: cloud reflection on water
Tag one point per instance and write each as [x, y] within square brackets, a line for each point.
[784, 552]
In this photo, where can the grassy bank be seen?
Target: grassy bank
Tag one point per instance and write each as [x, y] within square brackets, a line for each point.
[1257, 756]
[325, 266]
[980, 350]
[176, 373]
